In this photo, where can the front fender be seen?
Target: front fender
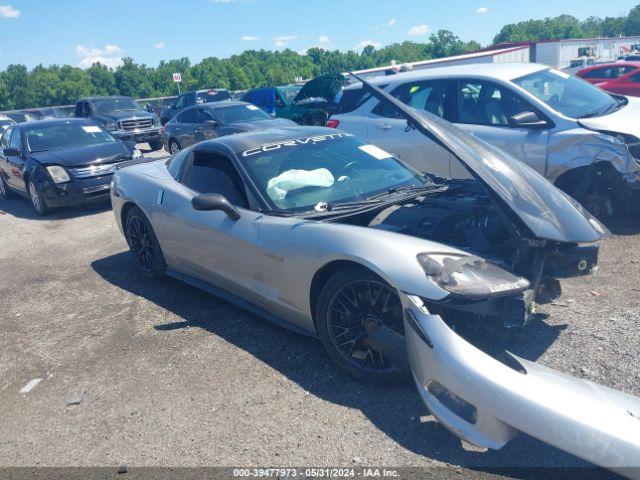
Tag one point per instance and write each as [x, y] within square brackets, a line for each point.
[579, 147]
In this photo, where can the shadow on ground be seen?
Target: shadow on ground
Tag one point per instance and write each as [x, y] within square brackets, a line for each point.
[21, 207]
[396, 411]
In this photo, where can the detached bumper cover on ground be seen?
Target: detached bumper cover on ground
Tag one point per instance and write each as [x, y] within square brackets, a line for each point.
[590, 421]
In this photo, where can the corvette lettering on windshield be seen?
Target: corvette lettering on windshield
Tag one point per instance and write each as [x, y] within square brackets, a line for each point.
[294, 143]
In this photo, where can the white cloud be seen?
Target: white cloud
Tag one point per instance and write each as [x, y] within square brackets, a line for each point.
[7, 11]
[323, 39]
[160, 45]
[392, 22]
[283, 40]
[366, 43]
[482, 10]
[110, 55]
[250, 38]
[418, 30]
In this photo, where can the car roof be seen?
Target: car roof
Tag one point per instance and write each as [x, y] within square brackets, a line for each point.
[203, 90]
[51, 122]
[249, 140]
[218, 105]
[102, 97]
[501, 71]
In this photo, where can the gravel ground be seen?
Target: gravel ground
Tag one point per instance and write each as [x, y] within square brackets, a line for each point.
[161, 374]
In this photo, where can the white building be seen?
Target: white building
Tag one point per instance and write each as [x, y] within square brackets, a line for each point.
[517, 53]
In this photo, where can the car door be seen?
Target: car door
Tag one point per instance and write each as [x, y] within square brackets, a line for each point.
[208, 245]
[626, 85]
[485, 108]
[204, 130]
[16, 163]
[597, 75]
[388, 130]
[186, 125]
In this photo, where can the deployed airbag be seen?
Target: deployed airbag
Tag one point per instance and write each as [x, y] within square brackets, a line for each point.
[279, 186]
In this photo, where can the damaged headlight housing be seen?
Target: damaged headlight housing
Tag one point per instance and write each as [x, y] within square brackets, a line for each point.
[470, 276]
[58, 174]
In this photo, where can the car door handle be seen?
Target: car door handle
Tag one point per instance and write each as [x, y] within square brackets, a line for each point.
[383, 126]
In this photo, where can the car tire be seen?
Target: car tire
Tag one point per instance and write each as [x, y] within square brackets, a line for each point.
[155, 146]
[143, 244]
[5, 191]
[37, 198]
[174, 146]
[332, 335]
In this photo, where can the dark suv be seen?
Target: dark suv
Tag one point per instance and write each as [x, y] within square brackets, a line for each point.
[123, 117]
[188, 99]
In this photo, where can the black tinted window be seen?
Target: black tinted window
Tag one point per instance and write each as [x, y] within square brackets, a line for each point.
[4, 141]
[15, 140]
[188, 116]
[429, 95]
[204, 115]
[176, 163]
[211, 173]
[352, 99]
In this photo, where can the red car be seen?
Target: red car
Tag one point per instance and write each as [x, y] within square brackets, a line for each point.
[621, 77]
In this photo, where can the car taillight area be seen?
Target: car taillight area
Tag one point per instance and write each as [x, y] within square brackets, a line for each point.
[333, 123]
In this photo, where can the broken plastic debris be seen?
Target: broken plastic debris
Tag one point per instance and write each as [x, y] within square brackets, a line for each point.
[29, 386]
[77, 400]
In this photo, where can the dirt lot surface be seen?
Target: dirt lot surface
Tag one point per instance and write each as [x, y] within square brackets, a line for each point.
[160, 374]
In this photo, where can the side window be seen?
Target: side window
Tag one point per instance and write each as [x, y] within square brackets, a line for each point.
[598, 73]
[86, 109]
[176, 163]
[4, 141]
[188, 116]
[79, 109]
[485, 103]
[429, 95]
[212, 173]
[180, 102]
[635, 78]
[15, 141]
[204, 115]
[354, 98]
[189, 99]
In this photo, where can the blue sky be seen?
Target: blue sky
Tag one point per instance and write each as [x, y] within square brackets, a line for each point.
[77, 32]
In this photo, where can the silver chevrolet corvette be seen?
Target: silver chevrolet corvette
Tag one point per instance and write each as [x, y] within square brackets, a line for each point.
[389, 267]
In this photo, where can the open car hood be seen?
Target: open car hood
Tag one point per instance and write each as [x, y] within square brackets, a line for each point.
[545, 210]
[325, 86]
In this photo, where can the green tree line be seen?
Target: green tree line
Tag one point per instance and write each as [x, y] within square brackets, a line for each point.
[60, 85]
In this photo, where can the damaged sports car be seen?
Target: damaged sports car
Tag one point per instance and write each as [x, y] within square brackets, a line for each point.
[330, 236]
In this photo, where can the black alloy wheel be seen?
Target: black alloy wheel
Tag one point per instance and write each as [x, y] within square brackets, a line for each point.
[361, 325]
[174, 146]
[143, 244]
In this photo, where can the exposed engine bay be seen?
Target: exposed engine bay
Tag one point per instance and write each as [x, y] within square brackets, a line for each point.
[465, 216]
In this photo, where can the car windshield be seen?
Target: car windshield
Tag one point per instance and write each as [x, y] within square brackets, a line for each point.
[572, 97]
[212, 96]
[115, 105]
[298, 175]
[241, 113]
[69, 135]
[289, 92]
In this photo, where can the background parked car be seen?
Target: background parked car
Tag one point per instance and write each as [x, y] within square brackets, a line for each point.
[218, 119]
[578, 136]
[60, 163]
[123, 117]
[311, 104]
[622, 78]
[5, 122]
[195, 97]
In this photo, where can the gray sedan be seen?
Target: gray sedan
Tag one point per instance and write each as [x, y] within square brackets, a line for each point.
[393, 270]
[212, 120]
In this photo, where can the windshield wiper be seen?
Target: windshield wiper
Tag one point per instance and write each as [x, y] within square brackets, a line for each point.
[406, 189]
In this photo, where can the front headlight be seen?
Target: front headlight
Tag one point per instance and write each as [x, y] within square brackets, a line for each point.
[58, 174]
[470, 276]
[110, 126]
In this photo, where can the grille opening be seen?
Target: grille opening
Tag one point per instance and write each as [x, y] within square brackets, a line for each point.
[454, 403]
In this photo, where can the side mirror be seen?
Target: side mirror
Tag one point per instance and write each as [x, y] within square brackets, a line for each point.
[214, 201]
[211, 124]
[12, 152]
[528, 120]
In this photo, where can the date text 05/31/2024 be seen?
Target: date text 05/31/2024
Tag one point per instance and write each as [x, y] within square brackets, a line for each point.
[315, 472]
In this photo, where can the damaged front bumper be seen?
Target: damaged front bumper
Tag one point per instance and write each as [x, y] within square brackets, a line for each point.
[493, 401]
